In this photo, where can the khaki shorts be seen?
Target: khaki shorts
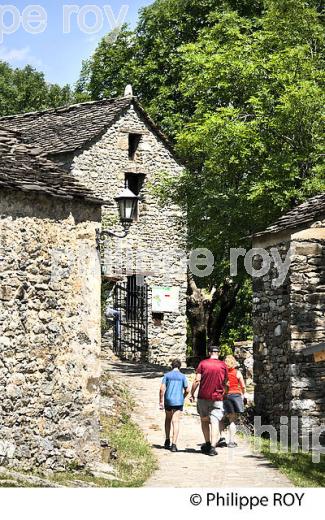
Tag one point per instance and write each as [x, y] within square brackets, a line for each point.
[212, 409]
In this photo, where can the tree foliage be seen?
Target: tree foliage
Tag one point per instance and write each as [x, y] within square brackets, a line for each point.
[254, 144]
[25, 90]
[150, 59]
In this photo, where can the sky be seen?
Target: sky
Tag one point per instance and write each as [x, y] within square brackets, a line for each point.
[55, 36]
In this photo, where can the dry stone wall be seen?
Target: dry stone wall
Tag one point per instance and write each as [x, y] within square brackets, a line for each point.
[243, 352]
[156, 243]
[287, 320]
[307, 327]
[271, 318]
[49, 332]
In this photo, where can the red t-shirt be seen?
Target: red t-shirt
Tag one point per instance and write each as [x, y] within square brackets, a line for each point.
[214, 374]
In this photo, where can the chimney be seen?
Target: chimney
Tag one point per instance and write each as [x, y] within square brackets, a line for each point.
[128, 91]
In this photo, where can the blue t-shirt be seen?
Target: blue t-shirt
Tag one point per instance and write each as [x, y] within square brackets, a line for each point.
[175, 383]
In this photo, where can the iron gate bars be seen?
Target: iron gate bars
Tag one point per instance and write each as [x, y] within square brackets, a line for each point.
[131, 326]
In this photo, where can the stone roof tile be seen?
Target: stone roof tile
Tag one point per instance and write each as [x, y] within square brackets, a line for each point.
[303, 215]
[23, 168]
[67, 129]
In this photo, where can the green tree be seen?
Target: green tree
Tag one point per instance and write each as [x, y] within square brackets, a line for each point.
[110, 69]
[25, 90]
[254, 145]
[149, 57]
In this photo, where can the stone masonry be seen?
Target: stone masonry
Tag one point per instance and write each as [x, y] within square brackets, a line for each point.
[91, 140]
[49, 333]
[155, 244]
[288, 319]
[49, 314]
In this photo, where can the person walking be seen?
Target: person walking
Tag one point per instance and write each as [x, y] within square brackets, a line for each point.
[234, 403]
[211, 378]
[172, 393]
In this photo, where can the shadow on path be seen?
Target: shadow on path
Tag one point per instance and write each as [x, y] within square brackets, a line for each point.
[145, 370]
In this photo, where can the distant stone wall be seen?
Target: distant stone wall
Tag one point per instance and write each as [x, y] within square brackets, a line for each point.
[156, 243]
[287, 320]
[243, 352]
[49, 332]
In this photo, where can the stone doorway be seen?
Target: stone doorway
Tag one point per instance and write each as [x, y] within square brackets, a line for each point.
[130, 336]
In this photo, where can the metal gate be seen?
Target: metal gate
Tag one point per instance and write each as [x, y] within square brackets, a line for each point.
[131, 326]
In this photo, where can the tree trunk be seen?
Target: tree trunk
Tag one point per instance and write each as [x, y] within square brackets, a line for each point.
[226, 297]
[198, 323]
[204, 322]
[198, 314]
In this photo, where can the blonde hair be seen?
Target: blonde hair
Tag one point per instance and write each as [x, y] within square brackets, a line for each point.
[231, 361]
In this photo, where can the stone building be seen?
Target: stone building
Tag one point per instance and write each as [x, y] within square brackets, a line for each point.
[289, 319]
[49, 313]
[111, 145]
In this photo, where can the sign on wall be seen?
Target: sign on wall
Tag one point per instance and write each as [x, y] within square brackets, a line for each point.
[165, 299]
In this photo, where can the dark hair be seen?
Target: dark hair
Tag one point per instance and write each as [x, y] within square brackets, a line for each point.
[176, 363]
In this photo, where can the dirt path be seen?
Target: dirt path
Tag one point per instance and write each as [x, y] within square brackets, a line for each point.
[189, 468]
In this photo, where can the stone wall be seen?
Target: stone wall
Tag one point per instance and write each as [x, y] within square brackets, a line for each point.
[49, 332]
[307, 327]
[287, 320]
[271, 317]
[156, 243]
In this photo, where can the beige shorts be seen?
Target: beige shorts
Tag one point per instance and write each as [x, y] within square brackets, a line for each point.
[212, 409]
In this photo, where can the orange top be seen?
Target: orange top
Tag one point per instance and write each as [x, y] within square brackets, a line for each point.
[233, 382]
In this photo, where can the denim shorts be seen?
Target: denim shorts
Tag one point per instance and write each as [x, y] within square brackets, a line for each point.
[234, 403]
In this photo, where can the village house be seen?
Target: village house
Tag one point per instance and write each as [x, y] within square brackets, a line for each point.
[49, 313]
[113, 147]
[289, 321]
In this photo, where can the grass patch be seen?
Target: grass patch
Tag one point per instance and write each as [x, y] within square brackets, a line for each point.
[298, 467]
[69, 479]
[136, 461]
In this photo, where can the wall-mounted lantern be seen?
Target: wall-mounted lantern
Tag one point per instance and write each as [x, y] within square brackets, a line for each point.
[127, 202]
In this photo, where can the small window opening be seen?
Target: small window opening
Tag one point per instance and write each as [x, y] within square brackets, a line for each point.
[134, 141]
[134, 181]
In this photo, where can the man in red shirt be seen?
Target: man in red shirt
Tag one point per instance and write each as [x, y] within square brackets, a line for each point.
[212, 378]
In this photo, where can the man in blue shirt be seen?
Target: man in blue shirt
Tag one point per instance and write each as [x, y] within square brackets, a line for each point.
[173, 390]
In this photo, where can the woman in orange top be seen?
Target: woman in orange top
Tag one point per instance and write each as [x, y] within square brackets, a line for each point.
[233, 403]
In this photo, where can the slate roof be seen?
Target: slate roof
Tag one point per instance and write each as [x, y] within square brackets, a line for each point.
[301, 216]
[23, 168]
[67, 129]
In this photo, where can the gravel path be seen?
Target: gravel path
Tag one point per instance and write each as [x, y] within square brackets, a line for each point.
[189, 468]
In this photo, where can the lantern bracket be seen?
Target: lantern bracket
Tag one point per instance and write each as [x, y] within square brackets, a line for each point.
[100, 235]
